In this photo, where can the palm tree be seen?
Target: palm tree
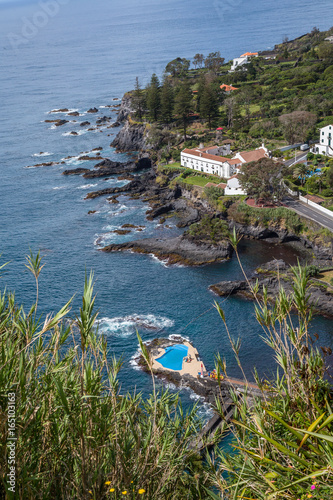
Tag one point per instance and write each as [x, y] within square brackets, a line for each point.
[319, 181]
[301, 172]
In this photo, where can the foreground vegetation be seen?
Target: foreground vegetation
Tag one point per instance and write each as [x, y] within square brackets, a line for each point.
[78, 436]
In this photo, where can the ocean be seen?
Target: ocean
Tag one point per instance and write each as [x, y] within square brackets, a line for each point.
[78, 54]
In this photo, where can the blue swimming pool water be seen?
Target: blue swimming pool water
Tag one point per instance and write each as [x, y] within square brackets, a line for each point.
[173, 357]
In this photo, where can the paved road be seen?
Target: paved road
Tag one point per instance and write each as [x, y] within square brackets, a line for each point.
[300, 157]
[310, 213]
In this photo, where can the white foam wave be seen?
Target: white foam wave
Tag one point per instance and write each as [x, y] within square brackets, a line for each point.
[43, 154]
[163, 263]
[175, 336]
[86, 186]
[127, 325]
[118, 209]
[59, 112]
[53, 127]
[80, 132]
[134, 361]
[59, 187]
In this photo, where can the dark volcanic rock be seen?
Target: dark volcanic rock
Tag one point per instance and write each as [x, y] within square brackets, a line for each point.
[179, 250]
[92, 110]
[73, 113]
[125, 108]
[273, 276]
[131, 138]
[58, 123]
[62, 110]
[103, 119]
[109, 167]
[73, 133]
[76, 171]
[115, 124]
[84, 124]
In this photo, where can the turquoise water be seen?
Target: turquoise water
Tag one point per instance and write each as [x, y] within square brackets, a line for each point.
[87, 54]
[173, 357]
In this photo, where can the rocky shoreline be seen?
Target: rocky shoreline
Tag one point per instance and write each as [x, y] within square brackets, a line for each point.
[273, 276]
[178, 250]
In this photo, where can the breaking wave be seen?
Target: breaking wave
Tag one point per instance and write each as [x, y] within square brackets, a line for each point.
[127, 325]
[87, 186]
[43, 154]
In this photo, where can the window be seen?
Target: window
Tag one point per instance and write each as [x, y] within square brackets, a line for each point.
[322, 140]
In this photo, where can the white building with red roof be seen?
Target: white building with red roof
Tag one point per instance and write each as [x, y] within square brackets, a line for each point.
[201, 160]
[233, 187]
[210, 161]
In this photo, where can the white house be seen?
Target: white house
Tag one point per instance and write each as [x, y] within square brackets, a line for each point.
[239, 61]
[243, 59]
[233, 187]
[203, 161]
[325, 145]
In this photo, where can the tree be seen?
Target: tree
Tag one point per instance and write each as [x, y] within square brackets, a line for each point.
[296, 125]
[261, 179]
[232, 110]
[178, 67]
[301, 172]
[214, 61]
[167, 100]
[198, 60]
[209, 108]
[138, 100]
[153, 97]
[183, 104]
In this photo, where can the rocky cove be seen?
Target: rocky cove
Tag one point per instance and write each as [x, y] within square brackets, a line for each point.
[166, 198]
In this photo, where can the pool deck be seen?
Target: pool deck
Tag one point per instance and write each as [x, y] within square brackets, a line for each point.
[191, 368]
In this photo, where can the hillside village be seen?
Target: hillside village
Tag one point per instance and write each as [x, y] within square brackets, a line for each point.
[214, 120]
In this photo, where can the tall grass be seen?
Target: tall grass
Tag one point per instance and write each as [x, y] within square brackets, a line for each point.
[78, 435]
[282, 441]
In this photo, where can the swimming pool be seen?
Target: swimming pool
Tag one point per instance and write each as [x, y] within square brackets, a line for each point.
[173, 357]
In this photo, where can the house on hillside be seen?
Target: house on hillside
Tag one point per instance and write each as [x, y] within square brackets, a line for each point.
[325, 145]
[243, 59]
[210, 160]
[233, 187]
[202, 160]
[227, 88]
[255, 155]
[329, 39]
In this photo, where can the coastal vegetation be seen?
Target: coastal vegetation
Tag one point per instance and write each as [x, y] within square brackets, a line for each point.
[282, 443]
[79, 436]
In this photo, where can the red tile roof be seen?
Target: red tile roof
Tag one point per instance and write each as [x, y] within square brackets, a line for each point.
[255, 155]
[228, 88]
[315, 199]
[205, 155]
[249, 54]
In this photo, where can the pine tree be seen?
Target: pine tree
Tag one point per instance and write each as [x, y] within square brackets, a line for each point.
[153, 97]
[167, 100]
[138, 100]
[183, 104]
[209, 108]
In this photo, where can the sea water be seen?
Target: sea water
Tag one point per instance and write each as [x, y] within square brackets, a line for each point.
[83, 54]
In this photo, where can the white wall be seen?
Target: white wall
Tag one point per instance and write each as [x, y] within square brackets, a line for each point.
[318, 207]
[207, 166]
